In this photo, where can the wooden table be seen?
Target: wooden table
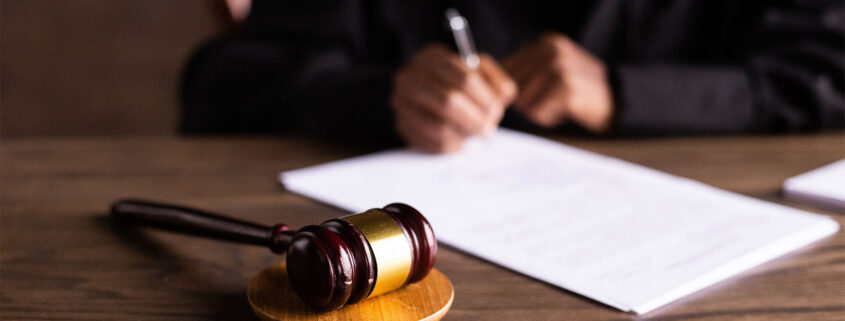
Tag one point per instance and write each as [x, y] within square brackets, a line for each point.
[63, 259]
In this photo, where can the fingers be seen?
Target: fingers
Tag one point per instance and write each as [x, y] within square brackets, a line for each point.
[542, 97]
[544, 100]
[503, 87]
[426, 132]
[532, 89]
[452, 107]
[561, 81]
[549, 109]
[515, 65]
[502, 84]
[442, 62]
[533, 58]
[538, 69]
[451, 72]
[429, 116]
[439, 101]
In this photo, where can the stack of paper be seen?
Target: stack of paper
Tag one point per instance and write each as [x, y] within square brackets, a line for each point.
[629, 236]
[825, 186]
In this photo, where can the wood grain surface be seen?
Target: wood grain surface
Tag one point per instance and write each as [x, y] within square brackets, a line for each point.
[61, 258]
[273, 299]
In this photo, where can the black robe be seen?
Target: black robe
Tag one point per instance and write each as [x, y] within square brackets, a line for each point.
[676, 67]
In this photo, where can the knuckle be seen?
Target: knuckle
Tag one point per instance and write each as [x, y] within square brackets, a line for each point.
[451, 147]
[442, 134]
[509, 89]
[463, 79]
[557, 73]
[541, 116]
[559, 64]
[535, 117]
[559, 67]
[573, 102]
[450, 100]
[560, 41]
[439, 98]
[439, 148]
[446, 146]
[544, 122]
[486, 59]
[557, 44]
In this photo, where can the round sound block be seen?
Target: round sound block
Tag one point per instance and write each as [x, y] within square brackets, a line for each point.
[272, 298]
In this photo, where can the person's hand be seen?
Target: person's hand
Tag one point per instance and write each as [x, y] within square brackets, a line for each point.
[559, 81]
[439, 102]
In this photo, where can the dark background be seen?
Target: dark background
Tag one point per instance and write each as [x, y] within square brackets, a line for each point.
[96, 67]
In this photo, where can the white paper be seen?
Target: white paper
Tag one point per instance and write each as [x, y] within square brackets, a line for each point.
[625, 235]
[825, 185]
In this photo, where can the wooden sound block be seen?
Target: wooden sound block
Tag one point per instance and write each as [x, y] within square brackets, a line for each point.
[272, 298]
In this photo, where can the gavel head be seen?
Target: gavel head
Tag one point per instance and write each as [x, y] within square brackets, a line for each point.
[347, 259]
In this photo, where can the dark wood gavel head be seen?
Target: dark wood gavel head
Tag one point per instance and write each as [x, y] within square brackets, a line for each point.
[339, 262]
[347, 259]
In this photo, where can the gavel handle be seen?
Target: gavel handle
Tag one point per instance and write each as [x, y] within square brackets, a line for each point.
[201, 223]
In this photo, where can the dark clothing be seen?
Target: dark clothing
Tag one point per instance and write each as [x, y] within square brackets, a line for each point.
[677, 67]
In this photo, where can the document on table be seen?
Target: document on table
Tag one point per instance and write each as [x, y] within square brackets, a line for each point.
[623, 234]
[825, 185]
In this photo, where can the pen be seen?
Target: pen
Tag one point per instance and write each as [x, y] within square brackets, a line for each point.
[466, 48]
[463, 37]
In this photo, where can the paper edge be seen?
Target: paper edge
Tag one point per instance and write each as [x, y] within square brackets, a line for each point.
[822, 229]
[794, 188]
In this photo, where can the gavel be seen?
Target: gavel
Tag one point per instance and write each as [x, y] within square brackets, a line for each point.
[339, 262]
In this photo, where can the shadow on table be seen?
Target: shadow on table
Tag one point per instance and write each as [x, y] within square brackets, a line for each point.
[221, 306]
